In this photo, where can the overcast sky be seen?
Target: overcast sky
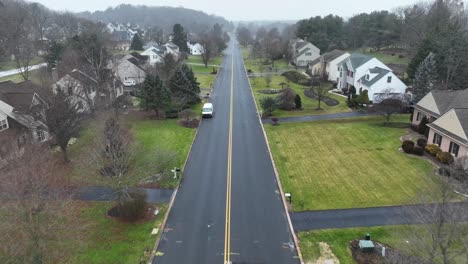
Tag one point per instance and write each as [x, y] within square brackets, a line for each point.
[246, 9]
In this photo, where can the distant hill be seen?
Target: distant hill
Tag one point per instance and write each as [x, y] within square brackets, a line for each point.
[162, 17]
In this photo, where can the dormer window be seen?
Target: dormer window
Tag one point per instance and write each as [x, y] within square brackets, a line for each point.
[389, 79]
[3, 124]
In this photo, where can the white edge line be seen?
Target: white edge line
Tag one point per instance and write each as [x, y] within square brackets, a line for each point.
[278, 181]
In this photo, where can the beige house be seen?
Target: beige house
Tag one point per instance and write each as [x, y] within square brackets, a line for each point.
[447, 112]
[327, 64]
[303, 52]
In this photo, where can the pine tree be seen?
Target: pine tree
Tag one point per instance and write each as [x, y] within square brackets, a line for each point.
[425, 78]
[155, 95]
[298, 101]
[137, 44]
[191, 76]
[180, 38]
[184, 93]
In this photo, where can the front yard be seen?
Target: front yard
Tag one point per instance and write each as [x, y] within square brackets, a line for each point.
[309, 105]
[150, 137]
[346, 163]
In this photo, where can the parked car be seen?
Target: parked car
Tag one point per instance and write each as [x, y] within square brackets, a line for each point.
[207, 110]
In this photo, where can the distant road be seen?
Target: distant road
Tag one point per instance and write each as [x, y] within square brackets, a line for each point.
[16, 71]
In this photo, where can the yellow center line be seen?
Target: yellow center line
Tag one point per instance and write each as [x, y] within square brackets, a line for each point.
[227, 228]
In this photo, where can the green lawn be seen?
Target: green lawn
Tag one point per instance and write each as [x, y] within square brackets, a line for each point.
[384, 57]
[202, 68]
[10, 65]
[149, 136]
[338, 240]
[198, 59]
[347, 163]
[205, 80]
[111, 241]
[309, 105]
[262, 65]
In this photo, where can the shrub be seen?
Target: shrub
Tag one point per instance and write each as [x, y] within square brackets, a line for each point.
[275, 120]
[268, 104]
[422, 126]
[444, 157]
[363, 98]
[298, 102]
[172, 113]
[433, 149]
[134, 208]
[422, 142]
[286, 99]
[407, 146]
[418, 150]
[296, 77]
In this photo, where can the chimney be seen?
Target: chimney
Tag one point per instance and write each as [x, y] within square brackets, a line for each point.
[54, 75]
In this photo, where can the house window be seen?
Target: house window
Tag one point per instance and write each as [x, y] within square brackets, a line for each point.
[437, 139]
[352, 74]
[308, 54]
[418, 116]
[389, 79]
[3, 124]
[40, 135]
[453, 149]
[341, 74]
[367, 77]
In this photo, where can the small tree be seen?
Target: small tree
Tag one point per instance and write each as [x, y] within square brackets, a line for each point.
[63, 119]
[268, 79]
[286, 99]
[423, 125]
[363, 98]
[137, 43]
[320, 89]
[209, 48]
[155, 95]
[180, 37]
[268, 104]
[389, 107]
[298, 101]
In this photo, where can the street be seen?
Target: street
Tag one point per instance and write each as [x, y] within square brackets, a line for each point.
[228, 207]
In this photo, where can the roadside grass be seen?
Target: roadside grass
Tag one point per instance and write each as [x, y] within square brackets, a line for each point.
[205, 80]
[10, 65]
[111, 241]
[309, 105]
[198, 59]
[384, 57]
[149, 137]
[347, 163]
[202, 68]
[338, 240]
[262, 65]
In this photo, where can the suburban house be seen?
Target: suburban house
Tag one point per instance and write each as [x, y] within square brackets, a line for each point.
[195, 49]
[447, 112]
[132, 67]
[172, 49]
[21, 118]
[327, 64]
[303, 52]
[155, 54]
[361, 72]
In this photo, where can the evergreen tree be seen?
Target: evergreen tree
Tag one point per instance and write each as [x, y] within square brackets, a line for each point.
[298, 101]
[191, 76]
[155, 95]
[183, 92]
[425, 77]
[137, 43]
[180, 38]
[424, 50]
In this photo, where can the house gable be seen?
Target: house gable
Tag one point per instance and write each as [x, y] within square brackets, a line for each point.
[452, 123]
[428, 102]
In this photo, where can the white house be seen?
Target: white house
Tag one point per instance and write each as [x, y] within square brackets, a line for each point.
[303, 52]
[361, 72]
[196, 49]
[132, 67]
[155, 54]
[327, 64]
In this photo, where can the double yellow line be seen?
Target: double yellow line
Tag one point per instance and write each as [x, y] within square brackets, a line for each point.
[227, 228]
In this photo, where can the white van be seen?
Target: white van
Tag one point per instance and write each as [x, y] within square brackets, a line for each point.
[207, 110]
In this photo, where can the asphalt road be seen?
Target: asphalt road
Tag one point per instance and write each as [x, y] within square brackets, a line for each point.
[363, 217]
[256, 228]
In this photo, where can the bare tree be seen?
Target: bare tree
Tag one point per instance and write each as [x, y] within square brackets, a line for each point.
[63, 119]
[209, 48]
[441, 236]
[268, 78]
[38, 209]
[320, 89]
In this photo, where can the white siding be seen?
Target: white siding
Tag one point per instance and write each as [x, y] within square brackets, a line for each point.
[381, 86]
[332, 67]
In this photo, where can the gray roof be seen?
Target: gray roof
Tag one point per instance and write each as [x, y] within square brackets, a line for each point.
[301, 44]
[447, 100]
[314, 62]
[380, 74]
[357, 60]
[18, 95]
[329, 56]
[302, 52]
[462, 114]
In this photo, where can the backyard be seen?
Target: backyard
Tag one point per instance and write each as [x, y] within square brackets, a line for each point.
[347, 163]
[309, 105]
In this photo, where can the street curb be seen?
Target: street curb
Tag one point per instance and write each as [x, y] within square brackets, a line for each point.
[171, 203]
[278, 181]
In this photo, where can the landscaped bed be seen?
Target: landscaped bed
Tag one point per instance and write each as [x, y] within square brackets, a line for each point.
[309, 105]
[347, 163]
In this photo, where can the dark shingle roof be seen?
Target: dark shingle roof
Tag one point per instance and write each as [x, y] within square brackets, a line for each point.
[139, 56]
[329, 56]
[302, 52]
[312, 63]
[462, 114]
[18, 95]
[380, 74]
[356, 60]
[301, 44]
[447, 100]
